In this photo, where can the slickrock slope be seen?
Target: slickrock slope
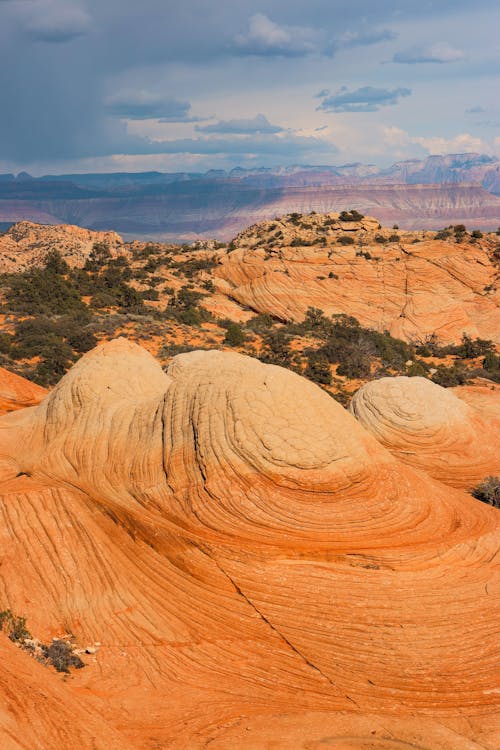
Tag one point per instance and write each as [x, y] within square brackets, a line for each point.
[26, 244]
[411, 288]
[430, 428]
[17, 392]
[257, 569]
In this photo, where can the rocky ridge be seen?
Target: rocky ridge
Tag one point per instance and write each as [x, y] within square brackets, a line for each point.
[26, 244]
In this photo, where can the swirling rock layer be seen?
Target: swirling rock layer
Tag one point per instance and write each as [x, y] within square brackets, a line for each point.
[258, 570]
[412, 290]
[429, 427]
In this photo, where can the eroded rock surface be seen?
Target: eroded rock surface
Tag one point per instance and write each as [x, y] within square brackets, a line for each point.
[26, 244]
[411, 289]
[258, 569]
[429, 427]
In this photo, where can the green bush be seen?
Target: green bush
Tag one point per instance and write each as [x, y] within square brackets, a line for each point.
[235, 335]
[15, 626]
[318, 369]
[60, 655]
[491, 366]
[351, 215]
[41, 291]
[354, 364]
[448, 377]
[345, 239]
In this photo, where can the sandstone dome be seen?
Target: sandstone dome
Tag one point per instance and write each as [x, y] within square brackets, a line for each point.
[429, 427]
[257, 569]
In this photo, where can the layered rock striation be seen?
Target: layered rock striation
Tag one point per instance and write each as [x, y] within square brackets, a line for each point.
[430, 428]
[257, 569]
[411, 287]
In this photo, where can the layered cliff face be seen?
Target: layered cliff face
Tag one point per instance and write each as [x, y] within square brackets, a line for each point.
[257, 569]
[411, 286]
[26, 244]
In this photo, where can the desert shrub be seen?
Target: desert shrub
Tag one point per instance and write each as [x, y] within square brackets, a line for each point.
[345, 239]
[364, 254]
[41, 291]
[448, 377]
[81, 340]
[103, 299]
[60, 655]
[471, 348]
[476, 234]
[235, 335]
[381, 239]
[491, 366]
[332, 275]
[318, 369]
[98, 257]
[354, 364]
[55, 359]
[276, 349]
[431, 347]
[351, 215]
[443, 234]
[418, 369]
[5, 342]
[488, 491]
[394, 238]
[260, 323]
[167, 351]
[15, 626]
[192, 267]
[55, 263]
[184, 307]
[150, 294]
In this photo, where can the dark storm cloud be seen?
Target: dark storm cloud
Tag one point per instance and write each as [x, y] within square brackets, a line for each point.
[364, 99]
[143, 105]
[260, 144]
[60, 59]
[258, 124]
[52, 21]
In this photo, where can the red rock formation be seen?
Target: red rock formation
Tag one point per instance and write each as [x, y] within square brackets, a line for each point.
[412, 289]
[17, 392]
[26, 244]
[257, 569]
[430, 428]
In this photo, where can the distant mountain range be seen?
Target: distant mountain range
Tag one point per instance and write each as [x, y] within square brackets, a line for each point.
[430, 193]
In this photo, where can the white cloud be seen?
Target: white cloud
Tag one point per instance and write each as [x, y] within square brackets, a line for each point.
[441, 52]
[265, 37]
[462, 143]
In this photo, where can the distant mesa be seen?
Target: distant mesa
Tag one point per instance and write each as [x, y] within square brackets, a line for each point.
[183, 206]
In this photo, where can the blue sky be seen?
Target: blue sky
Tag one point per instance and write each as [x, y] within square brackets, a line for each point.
[116, 85]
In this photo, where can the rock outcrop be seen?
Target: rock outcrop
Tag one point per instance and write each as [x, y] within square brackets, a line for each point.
[258, 569]
[26, 244]
[17, 392]
[409, 287]
[430, 428]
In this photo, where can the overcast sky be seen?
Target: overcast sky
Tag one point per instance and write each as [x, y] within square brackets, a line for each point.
[122, 85]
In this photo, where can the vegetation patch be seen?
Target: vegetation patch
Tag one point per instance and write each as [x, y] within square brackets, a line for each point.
[59, 654]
